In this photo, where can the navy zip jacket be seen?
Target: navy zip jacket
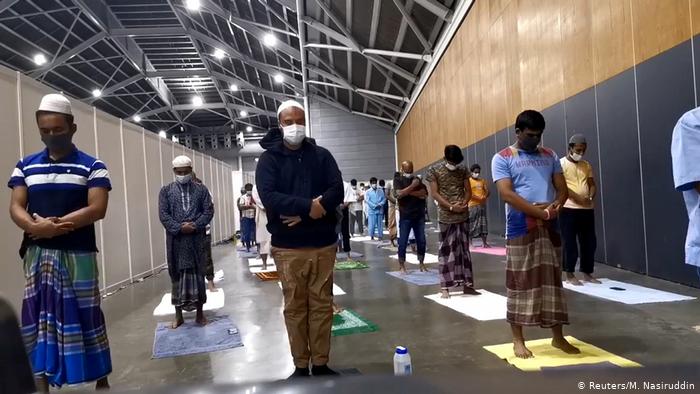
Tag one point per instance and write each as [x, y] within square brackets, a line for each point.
[288, 181]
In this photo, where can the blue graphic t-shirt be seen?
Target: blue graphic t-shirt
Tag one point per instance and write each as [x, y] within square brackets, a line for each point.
[531, 174]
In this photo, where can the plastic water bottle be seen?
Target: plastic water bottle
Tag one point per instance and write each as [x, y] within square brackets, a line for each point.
[402, 362]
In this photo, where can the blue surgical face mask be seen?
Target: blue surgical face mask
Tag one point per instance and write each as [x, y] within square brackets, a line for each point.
[374, 186]
[183, 179]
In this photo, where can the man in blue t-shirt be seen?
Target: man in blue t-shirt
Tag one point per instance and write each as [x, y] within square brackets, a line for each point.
[529, 179]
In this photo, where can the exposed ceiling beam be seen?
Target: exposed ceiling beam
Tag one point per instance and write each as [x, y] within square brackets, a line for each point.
[291, 4]
[5, 4]
[358, 90]
[436, 8]
[68, 54]
[104, 18]
[120, 85]
[412, 24]
[206, 106]
[148, 31]
[371, 51]
[344, 108]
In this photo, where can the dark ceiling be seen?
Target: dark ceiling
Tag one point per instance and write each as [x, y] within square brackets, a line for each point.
[149, 58]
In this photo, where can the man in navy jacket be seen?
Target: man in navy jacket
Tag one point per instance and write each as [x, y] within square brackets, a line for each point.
[300, 186]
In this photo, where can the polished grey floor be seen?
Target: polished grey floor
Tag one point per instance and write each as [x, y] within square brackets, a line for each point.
[441, 341]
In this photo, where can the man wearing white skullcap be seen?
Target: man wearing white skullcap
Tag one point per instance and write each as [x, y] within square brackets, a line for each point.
[185, 210]
[300, 187]
[57, 196]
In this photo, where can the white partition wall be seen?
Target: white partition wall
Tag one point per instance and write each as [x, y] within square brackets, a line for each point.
[131, 238]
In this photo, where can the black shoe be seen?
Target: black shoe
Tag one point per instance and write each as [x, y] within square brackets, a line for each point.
[300, 373]
[323, 370]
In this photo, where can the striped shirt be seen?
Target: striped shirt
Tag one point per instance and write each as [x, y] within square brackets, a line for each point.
[56, 188]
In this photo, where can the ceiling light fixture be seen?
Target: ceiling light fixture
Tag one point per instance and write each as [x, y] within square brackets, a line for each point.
[249, 129]
[39, 59]
[137, 118]
[270, 40]
[197, 101]
[279, 78]
[175, 139]
[163, 134]
[234, 87]
[219, 54]
[96, 93]
[192, 5]
[243, 113]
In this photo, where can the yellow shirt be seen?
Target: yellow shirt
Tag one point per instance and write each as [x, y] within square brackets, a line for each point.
[478, 191]
[577, 175]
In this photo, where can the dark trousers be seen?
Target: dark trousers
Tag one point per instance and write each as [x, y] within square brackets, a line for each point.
[418, 227]
[578, 230]
[345, 230]
[386, 215]
[207, 258]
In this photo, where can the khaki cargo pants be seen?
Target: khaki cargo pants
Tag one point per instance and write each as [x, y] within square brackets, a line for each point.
[307, 283]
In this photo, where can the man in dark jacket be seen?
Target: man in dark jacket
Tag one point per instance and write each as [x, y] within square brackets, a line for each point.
[301, 186]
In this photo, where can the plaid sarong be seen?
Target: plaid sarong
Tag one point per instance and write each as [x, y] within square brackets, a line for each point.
[189, 290]
[454, 257]
[62, 324]
[478, 221]
[533, 278]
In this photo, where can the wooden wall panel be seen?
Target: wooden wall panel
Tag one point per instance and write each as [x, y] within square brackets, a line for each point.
[511, 55]
[658, 26]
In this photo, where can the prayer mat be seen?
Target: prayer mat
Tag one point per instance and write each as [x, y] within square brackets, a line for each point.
[494, 250]
[412, 258]
[343, 255]
[248, 255]
[348, 322]
[430, 278]
[190, 338]
[215, 300]
[390, 248]
[547, 356]
[625, 293]
[581, 368]
[487, 306]
[337, 291]
[350, 265]
[270, 268]
[266, 276]
[259, 262]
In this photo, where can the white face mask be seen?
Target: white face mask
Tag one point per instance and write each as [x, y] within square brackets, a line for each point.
[450, 167]
[294, 134]
[407, 175]
[576, 157]
[183, 179]
[475, 175]
[374, 186]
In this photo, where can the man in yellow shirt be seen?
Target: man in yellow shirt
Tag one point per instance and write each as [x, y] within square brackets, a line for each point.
[478, 220]
[577, 219]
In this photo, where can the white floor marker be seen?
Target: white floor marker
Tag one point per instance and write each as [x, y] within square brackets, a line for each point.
[337, 291]
[626, 293]
[413, 259]
[487, 306]
[215, 300]
[259, 262]
[270, 268]
[218, 276]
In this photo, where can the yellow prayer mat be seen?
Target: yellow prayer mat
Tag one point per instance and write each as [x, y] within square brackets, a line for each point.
[547, 356]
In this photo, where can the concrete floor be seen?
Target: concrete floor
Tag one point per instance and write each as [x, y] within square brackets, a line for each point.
[440, 340]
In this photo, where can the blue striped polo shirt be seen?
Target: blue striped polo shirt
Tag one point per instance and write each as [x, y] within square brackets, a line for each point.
[59, 187]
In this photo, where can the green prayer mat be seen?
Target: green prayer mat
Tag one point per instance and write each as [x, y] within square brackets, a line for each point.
[350, 265]
[348, 322]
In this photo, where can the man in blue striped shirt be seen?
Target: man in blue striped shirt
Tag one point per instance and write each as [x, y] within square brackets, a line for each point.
[57, 196]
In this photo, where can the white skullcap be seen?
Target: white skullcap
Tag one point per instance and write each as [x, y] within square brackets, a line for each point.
[182, 161]
[55, 103]
[288, 104]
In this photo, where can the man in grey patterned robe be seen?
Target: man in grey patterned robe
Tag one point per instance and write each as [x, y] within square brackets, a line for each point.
[185, 209]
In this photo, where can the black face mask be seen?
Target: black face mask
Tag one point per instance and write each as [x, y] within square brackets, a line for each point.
[60, 142]
[529, 144]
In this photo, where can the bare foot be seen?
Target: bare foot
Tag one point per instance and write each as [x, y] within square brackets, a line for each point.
[177, 323]
[201, 320]
[402, 269]
[445, 293]
[102, 384]
[212, 287]
[571, 279]
[564, 346]
[590, 279]
[487, 246]
[468, 290]
[423, 268]
[336, 309]
[520, 350]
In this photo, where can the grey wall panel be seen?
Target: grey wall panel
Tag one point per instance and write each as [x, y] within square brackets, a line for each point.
[497, 224]
[620, 181]
[11, 283]
[362, 147]
[580, 119]
[665, 92]
[210, 179]
[136, 188]
[32, 92]
[554, 136]
[116, 260]
[219, 212]
[153, 175]
[84, 137]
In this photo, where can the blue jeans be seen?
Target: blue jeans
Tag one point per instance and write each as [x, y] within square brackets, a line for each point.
[418, 227]
[376, 220]
[248, 231]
